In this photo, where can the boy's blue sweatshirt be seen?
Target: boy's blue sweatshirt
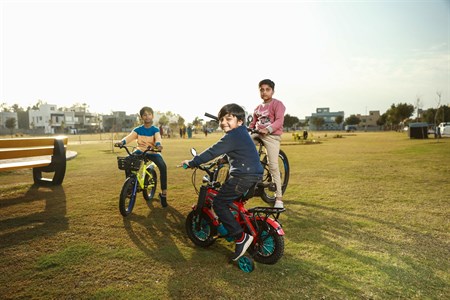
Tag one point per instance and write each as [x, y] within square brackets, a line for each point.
[240, 150]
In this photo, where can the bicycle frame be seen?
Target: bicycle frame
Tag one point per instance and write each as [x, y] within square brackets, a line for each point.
[140, 176]
[143, 170]
[246, 218]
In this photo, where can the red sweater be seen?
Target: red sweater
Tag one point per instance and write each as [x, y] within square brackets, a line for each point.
[269, 116]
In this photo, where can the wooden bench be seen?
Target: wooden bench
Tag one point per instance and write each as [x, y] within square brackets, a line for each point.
[42, 154]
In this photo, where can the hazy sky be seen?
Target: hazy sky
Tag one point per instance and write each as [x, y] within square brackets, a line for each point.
[189, 57]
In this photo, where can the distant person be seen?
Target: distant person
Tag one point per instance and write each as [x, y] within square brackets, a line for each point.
[148, 135]
[245, 170]
[305, 134]
[268, 119]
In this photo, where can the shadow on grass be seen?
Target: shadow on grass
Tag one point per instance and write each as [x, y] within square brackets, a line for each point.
[161, 226]
[26, 227]
[161, 236]
[408, 259]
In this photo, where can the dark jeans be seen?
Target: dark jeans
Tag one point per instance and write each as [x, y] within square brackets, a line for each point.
[232, 189]
[161, 164]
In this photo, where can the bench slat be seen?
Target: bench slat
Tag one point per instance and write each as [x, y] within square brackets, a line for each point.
[7, 153]
[24, 164]
[31, 142]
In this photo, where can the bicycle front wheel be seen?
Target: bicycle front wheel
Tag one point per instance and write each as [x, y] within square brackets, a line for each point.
[150, 184]
[268, 193]
[128, 196]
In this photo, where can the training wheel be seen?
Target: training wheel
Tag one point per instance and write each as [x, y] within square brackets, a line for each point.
[246, 264]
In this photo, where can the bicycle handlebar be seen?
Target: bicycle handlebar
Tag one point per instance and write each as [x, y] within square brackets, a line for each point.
[149, 149]
[215, 118]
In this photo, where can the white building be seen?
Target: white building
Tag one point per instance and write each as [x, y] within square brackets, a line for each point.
[42, 118]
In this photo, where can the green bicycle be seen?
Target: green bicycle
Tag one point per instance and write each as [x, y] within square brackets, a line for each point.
[140, 176]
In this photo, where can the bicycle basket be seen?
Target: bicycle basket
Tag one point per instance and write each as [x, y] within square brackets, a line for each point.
[132, 163]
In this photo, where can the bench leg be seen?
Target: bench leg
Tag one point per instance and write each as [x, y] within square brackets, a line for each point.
[58, 166]
[58, 177]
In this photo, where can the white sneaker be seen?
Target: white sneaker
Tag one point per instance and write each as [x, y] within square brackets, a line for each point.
[278, 204]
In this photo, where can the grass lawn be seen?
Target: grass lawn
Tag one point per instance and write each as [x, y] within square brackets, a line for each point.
[367, 218]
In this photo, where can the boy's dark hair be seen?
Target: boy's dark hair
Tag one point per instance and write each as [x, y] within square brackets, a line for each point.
[234, 110]
[144, 109]
[268, 82]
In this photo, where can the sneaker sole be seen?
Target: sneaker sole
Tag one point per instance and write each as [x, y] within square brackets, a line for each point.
[246, 245]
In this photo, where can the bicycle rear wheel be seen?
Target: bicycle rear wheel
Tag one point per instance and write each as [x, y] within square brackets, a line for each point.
[128, 196]
[150, 184]
[269, 247]
[268, 190]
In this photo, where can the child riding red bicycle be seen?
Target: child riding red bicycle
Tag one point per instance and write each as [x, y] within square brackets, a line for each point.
[245, 171]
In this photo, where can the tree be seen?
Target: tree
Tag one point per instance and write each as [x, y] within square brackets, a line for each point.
[11, 124]
[163, 120]
[173, 127]
[290, 121]
[16, 108]
[404, 111]
[197, 123]
[339, 119]
[352, 120]
[382, 120]
[428, 115]
[398, 113]
[180, 121]
[4, 107]
[442, 112]
[318, 122]
[23, 120]
[38, 104]
[212, 124]
[63, 126]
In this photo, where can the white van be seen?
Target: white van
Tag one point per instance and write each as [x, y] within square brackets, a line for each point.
[443, 129]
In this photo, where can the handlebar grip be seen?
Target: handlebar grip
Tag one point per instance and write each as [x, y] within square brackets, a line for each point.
[185, 166]
[211, 116]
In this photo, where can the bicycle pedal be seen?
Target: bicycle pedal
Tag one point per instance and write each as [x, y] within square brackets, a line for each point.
[272, 187]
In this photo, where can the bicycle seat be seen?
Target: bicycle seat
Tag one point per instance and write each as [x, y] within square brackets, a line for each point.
[250, 192]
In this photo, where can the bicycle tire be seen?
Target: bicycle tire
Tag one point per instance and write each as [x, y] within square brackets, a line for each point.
[269, 247]
[128, 196]
[203, 235]
[283, 164]
[150, 184]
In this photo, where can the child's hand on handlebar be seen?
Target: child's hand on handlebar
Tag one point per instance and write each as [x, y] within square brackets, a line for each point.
[185, 164]
[263, 131]
[159, 147]
[118, 144]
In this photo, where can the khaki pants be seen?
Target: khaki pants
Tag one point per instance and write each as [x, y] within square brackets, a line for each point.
[272, 145]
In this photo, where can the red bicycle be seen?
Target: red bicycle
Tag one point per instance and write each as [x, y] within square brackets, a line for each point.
[203, 226]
